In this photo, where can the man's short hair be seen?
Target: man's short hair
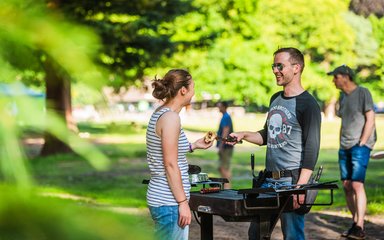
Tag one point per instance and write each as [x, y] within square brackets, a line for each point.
[295, 55]
[224, 103]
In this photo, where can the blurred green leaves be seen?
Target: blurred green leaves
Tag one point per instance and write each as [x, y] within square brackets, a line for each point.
[22, 112]
[29, 30]
[28, 33]
[46, 218]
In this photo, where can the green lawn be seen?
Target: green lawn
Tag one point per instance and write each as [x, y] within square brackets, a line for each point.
[75, 201]
[124, 144]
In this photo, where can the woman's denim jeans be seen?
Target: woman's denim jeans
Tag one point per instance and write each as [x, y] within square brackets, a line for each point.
[166, 227]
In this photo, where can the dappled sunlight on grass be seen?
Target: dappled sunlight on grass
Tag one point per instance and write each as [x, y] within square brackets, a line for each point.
[60, 216]
[120, 186]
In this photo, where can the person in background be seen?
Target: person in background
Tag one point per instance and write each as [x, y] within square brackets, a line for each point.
[225, 150]
[167, 146]
[357, 138]
[292, 136]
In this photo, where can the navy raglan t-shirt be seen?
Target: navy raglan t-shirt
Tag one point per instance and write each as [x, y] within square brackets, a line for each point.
[292, 132]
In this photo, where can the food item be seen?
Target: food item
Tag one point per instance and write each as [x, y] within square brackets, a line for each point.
[209, 190]
[209, 137]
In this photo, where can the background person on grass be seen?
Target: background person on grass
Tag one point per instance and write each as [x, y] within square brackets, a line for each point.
[225, 151]
[357, 138]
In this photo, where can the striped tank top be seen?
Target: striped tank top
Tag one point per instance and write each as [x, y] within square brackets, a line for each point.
[159, 193]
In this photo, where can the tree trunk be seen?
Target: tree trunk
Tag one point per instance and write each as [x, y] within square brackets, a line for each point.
[58, 101]
[367, 7]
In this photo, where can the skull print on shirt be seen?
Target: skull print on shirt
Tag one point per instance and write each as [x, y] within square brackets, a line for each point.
[278, 126]
[283, 133]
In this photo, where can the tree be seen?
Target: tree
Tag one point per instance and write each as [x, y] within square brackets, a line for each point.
[248, 32]
[372, 75]
[33, 39]
[29, 38]
[367, 7]
[133, 38]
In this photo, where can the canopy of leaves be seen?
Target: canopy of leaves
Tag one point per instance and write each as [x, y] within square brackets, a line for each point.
[135, 34]
[223, 43]
[367, 7]
[29, 32]
[247, 33]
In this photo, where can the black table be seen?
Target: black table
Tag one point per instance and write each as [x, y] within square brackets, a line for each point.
[264, 206]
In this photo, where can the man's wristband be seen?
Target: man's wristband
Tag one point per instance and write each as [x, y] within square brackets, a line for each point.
[190, 148]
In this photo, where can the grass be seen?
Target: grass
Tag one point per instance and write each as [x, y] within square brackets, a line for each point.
[44, 217]
[124, 144]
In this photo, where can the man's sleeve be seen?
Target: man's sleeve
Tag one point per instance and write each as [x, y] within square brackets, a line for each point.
[263, 132]
[368, 101]
[311, 125]
[226, 121]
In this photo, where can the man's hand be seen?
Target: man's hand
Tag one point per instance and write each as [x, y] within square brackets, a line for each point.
[235, 135]
[297, 200]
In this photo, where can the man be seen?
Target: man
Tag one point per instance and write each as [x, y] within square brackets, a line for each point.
[292, 136]
[225, 150]
[357, 137]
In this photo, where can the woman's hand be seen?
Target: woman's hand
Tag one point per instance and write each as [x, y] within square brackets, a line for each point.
[201, 144]
[184, 214]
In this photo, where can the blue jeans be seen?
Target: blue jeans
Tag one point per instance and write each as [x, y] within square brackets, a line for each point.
[353, 163]
[166, 226]
[292, 224]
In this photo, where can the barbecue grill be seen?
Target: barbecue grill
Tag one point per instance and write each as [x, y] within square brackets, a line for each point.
[262, 205]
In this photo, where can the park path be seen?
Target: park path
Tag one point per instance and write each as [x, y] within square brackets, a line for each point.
[322, 225]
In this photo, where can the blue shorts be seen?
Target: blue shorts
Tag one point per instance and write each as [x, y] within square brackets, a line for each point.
[166, 223]
[353, 163]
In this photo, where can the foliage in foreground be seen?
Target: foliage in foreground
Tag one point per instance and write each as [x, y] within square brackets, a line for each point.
[37, 217]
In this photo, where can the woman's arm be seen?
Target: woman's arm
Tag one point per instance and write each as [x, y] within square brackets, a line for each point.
[168, 128]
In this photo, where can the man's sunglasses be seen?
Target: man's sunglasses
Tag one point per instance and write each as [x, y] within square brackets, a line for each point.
[280, 66]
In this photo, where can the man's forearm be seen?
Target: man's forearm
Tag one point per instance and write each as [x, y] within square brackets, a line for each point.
[368, 126]
[305, 175]
[253, 137]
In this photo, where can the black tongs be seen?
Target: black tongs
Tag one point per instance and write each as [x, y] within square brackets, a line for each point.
[229, 138]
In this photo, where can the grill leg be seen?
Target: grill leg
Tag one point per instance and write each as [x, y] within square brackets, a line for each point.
[261, 227]
[265, 227]
[206, 226]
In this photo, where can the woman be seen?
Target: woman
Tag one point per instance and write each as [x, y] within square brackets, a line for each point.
[168, 189]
